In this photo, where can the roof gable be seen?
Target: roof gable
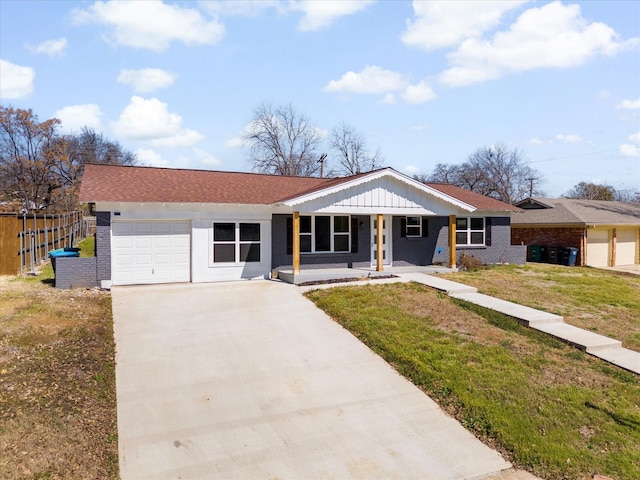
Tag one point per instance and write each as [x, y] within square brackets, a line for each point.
[383, 188]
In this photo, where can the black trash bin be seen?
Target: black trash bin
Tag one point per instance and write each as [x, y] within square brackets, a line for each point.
[569, 256]
[535, 253]
[554, 255]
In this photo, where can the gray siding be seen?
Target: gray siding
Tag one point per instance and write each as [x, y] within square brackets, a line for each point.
[76, 272]
[407, 251]
[103, 245]
[500, 249]
[430, 250]
[280, 258]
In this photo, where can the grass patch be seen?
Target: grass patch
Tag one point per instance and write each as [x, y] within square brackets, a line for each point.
[600, 301]
[557, 413]
[88, 247]
[57, 382]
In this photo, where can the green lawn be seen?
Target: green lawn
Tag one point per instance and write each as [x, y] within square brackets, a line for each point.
[550, 408]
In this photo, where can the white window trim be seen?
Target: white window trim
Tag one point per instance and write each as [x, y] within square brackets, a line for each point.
[407, 226]
[469, 231]
[332, 235]
[237, 242]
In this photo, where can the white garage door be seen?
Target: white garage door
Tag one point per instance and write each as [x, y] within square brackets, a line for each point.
[626, 246]
[598, 248]
[150, 252]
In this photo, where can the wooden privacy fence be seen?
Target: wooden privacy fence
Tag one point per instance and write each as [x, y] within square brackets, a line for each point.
[25, 240]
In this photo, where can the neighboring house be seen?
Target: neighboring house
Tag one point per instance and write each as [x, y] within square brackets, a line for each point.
[157, 225]
[607, 233]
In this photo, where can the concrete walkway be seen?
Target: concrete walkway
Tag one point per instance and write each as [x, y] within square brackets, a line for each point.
[251, 380]
[594, 344]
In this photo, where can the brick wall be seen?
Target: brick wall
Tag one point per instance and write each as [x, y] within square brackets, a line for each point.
[103, 245]
[550, 237]
[76, 272]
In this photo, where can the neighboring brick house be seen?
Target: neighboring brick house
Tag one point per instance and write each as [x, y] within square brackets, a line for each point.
[606, 233]
[159, 225]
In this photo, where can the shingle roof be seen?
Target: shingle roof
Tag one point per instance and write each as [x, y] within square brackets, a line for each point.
[111, 183]
[481, 202]
[571, 211]
[115, 183]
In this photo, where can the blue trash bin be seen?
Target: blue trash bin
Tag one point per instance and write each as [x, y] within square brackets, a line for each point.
[569, 256]
[62, 252]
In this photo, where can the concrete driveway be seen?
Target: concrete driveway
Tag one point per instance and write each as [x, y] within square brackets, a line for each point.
[251, 380]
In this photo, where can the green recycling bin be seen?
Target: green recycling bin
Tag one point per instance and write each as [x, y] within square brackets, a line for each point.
[535, 253]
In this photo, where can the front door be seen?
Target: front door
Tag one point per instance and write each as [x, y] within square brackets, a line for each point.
[386, 240]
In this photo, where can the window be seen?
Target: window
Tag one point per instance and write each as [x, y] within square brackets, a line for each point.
[413, 227]
[325, 233]
[470, 231]
[236, 242]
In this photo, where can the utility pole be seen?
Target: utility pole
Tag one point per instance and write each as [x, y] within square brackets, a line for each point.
[322, 159]
[530, 180]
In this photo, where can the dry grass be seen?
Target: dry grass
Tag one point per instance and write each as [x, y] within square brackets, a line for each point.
[601, 301]
[57, 383]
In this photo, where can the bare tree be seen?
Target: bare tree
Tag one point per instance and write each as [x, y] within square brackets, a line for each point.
[27, 157]
[40, 169]
[592, 191]
[282, 141]
[494, 171]
[73, 152]
[350, 147]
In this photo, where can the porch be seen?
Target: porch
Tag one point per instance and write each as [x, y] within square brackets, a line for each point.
[335, 275]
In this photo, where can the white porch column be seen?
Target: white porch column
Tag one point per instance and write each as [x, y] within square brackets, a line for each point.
[379, 230]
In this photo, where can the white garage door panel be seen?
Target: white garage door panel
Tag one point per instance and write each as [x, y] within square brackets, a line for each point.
[626, 247]
[598, 248]
[151, 252]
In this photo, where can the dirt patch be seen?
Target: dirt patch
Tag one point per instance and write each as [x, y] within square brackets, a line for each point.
[57, 383]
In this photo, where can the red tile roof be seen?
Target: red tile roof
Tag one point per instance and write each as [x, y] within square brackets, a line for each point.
[114, 183]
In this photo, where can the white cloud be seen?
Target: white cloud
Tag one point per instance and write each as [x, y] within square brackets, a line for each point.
[150, 158]
[635, 138]
[151, 24]
[446, 24]
[235, 142]
[629, 105]
[418, 128]
[318, 15]
[206, 158]
[16, 81]
[411, 170]
[246, 8]
[53, 48]
[420, 93]
[571, 138]
[535, 141]
[75, 117]
[629, 150]
[150, 121]
[371, 79]
[146, 80]
[553, 35]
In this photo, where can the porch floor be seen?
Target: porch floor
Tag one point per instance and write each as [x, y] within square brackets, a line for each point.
[331, 275]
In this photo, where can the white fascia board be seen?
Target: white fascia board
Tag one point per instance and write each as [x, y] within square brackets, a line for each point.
[387, 172]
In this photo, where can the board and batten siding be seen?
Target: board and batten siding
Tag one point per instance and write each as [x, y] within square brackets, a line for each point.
[382, 195]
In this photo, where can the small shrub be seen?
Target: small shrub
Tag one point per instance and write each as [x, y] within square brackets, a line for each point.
[469, 262]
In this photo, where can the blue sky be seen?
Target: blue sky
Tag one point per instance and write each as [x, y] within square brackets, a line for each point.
[425, 82]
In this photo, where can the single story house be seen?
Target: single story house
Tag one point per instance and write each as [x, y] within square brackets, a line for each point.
[606, 233]
[160, 225]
